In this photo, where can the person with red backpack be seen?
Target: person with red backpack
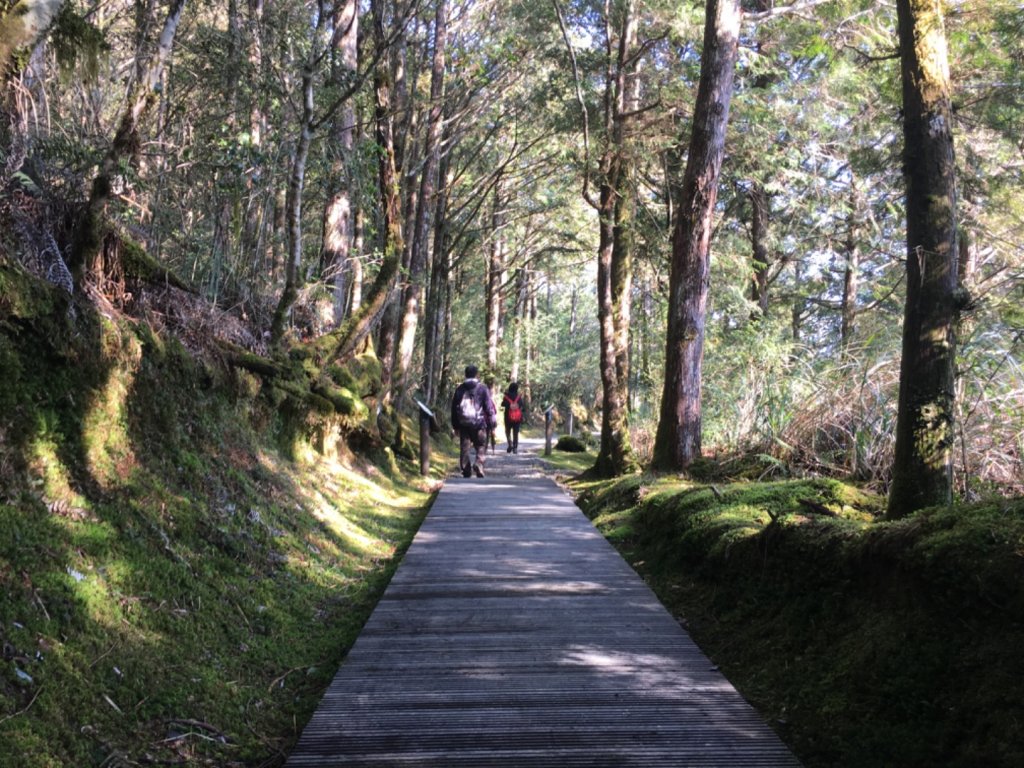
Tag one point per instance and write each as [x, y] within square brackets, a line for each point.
[473, 415]
[514, 407]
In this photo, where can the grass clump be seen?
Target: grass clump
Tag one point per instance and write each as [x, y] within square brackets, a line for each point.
[173, 589]
[864, 642]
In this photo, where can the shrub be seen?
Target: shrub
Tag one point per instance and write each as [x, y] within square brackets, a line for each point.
[570, 444]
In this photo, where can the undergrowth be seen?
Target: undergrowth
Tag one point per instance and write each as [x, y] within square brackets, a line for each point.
[863, 642]
[173, 590]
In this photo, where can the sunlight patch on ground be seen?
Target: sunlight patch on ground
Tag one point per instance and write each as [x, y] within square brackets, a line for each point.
[104, 429]
[56, 480]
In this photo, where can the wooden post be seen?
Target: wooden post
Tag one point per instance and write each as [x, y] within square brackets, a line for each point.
[427, 425]
[548, 420]
[424, 444]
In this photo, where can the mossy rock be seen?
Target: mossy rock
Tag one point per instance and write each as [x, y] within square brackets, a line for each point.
[23, 296]
[360, 375]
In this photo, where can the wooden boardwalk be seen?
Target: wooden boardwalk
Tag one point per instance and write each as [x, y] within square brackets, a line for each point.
[513, 634]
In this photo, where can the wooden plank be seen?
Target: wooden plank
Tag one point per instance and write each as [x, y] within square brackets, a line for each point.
[513, 634]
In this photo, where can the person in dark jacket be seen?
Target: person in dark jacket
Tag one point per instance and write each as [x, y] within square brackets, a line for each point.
[514, 407]
[473, 415]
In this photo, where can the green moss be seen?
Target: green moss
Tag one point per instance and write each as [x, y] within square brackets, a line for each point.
[158, 555]
[864, 642]
[138, 264]
[570, 444]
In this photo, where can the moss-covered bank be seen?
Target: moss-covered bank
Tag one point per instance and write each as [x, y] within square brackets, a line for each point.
[186, 552]
[865, 643]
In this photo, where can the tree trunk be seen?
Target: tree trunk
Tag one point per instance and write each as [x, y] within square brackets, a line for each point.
[678, 440]
[437, 296]
[335, 264]
[357, 278]
[254, 226]
[518, 323]
[421, 231]
[526, 385]
[922, 466]
[851, 273]
[495, 268]
[759, 242]
[348, 338]
[615, 246]
[296, 186]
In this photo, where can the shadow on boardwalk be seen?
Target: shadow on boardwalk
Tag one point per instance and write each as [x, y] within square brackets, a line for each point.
[514, 635]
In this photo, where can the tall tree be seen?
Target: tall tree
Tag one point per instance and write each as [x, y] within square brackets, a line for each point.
[296, 189]
[348, 338]
[414, 289]
[922, 466]
[616, 204]
[339, 214]
[494, 288]
[678, 439]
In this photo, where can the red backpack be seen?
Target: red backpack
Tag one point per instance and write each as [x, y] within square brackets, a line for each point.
[515, 412]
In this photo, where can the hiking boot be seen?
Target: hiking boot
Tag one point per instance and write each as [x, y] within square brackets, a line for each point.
[479, 470]
[467, 472]
[509, 449]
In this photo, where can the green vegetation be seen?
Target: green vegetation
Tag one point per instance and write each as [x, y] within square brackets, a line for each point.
[570, 462]
[570, 444]
[172, 588]
[864, 642]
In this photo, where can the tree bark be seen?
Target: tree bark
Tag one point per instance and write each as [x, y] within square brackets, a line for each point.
[922, 466]
[678, 439]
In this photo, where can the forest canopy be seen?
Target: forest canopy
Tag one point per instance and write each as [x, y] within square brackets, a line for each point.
[696, 228]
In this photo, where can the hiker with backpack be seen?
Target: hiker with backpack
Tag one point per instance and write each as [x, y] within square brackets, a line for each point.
[513, 406]
[473, 415]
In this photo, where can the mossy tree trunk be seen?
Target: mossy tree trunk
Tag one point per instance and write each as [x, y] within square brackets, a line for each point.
[678, 440]
[22, 24]
[346, 340]
[922, 466]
